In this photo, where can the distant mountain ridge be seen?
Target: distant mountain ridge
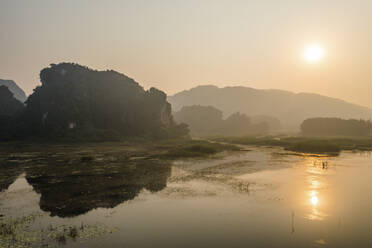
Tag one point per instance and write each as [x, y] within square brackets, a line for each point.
[291, 108]
[15, 89]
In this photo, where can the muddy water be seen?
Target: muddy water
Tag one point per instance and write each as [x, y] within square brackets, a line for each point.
[265, 197]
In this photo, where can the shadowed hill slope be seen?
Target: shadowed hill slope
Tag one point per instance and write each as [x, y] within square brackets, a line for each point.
[10, 109]
[9, 105]
[18, 93]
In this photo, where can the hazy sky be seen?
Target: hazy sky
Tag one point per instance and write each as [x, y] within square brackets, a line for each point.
[175, 45]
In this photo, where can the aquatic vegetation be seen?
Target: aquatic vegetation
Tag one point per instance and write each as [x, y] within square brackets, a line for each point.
[88, 158]
[304, 144]
[73, 179]
[63, 234]
[315, 146]
[77, 153]
[198, 149]
[15, 232]
[223, 186]
[18, 232]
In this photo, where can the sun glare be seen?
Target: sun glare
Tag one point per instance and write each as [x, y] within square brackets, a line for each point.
[314, 200]
[314, 53]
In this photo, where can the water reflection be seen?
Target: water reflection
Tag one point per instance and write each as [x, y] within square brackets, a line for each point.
[294, 201]
[314, 198]
[71, 190]
[315, 171]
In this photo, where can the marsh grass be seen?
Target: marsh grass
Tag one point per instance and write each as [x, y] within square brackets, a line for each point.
[314, 146]
[6, 230]
[61, 239]
[17, 233]
[304, 144]
[96, 153]
[71, 163]
[88, 158]
[13, 231]
[197, 148]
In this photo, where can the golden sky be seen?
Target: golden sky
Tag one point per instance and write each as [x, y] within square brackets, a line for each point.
[178, 44]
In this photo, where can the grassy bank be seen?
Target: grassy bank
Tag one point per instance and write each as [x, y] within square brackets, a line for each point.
[304, 144]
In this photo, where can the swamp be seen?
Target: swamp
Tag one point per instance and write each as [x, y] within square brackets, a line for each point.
[154, 195]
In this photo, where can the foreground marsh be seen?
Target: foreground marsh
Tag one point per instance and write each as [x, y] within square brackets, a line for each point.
[265, 197]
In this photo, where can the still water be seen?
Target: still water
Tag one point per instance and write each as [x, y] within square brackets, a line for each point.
[264, 197]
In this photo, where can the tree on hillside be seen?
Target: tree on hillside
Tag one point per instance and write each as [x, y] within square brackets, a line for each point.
[200, 119]
[207, 120]
[241, 124]
[273, 123]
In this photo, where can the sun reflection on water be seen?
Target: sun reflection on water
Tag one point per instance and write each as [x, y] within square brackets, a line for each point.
[314, 200]
[315, 176]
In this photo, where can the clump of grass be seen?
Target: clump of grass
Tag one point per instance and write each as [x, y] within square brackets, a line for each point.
[12, 232]
[198, 149]
[61, 239]
[73, 232]
[6, 229]
[61, 236]
[88, 158]
[191, 151]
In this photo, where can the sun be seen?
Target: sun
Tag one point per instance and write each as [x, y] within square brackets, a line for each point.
[314, 53]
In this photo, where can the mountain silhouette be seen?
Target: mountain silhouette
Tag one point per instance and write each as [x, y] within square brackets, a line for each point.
[15, 89]
[76, 102]
[290, 108]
